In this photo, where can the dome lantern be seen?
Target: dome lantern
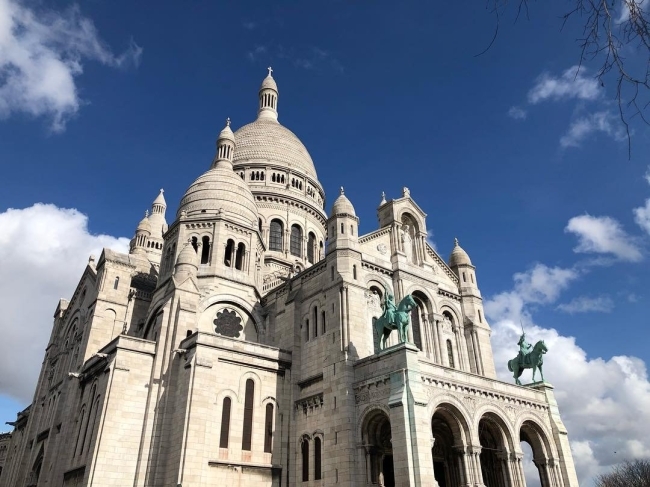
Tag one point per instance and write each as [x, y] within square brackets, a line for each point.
[268, 96]
[225, 146]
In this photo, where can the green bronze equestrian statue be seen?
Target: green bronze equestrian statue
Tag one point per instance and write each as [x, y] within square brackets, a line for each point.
[527, 359]
[394, 318]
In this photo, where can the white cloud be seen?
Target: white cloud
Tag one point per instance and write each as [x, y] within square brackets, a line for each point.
[570, 84]
[430, 240]
[590, 392]
[43, 251]
[585, 304]
[600, 122]
[603, 235]
[257, 52]
[517, 113]
[41, 54]
[642, 216]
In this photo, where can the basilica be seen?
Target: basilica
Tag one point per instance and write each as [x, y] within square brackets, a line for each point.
[247, 342]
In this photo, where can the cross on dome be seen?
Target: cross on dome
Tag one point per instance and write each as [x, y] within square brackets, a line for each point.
[228, 122]
[270, 71]
[342, 191]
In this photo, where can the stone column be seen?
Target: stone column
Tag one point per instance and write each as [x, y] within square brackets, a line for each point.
[463, 459]
[436, 340]
[517, 469]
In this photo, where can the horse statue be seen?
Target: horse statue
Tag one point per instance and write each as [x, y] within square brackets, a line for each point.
[394, 318]
[532, 360]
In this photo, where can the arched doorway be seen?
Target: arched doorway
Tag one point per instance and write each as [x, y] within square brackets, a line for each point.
[532, 435]
[449, 432]
[377, 440]
[495, 445]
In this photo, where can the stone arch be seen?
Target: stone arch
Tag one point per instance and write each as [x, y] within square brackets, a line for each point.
[495, 438]
[494, 414]
[376, 435]
[453, 411]
[449, 434]
[544, 458]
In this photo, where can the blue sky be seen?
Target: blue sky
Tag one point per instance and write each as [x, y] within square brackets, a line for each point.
[524, 163]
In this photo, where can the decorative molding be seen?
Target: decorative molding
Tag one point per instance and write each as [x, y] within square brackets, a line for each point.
[310, 403]
[448, 294]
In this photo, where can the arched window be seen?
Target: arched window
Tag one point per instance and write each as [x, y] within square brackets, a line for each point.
[259, 224]
[195, 244]
[275, 235]
[322, 322]
[354, 272]
[296, 241]
[342, 228]
[81, 423]
[450, 354]
[351, 229]
[315, 321]
[116, 283]
[247, 434]
[311, 247]
[239, 259]
[90, 415]
[317, 459]
[480, 316]
[205, 250]
[227, 256]
[268, 429]
[305, 460]
[417, 325]
[225, 423]
[307, 330]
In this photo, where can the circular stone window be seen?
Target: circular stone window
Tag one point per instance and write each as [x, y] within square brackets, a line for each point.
[228, 323]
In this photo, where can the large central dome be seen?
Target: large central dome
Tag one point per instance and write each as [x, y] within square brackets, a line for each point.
[265, 140]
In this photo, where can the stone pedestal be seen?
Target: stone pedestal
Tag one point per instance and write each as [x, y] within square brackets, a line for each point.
[410, 423]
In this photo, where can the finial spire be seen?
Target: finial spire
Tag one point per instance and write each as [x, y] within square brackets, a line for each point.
[456, 242]
[270, 71]
[146, 213]
[383, 198]
[342, 190]
[228, 122]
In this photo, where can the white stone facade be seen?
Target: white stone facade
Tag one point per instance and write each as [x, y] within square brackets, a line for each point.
[237, 346]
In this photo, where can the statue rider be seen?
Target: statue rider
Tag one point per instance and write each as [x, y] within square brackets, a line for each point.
[524, 348]
[389, 308]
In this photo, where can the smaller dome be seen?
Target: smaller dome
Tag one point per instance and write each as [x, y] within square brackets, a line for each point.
[458, 256]
[220, 189]
[144, 225]
[187, 256]
[269, 82]
[226, 133]
[160, 199]
[343, 206]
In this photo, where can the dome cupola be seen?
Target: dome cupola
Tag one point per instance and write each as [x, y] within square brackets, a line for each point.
[458, 256]
[342, 205]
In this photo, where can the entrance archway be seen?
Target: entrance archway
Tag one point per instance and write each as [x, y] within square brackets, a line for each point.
[534, 436]
[495, 445]
[449, 432]
[377, 439]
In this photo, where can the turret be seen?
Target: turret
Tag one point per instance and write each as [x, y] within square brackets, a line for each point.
[477, 329]
[462, 266]
[142, 234]
[342, 225]
[186, 263]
